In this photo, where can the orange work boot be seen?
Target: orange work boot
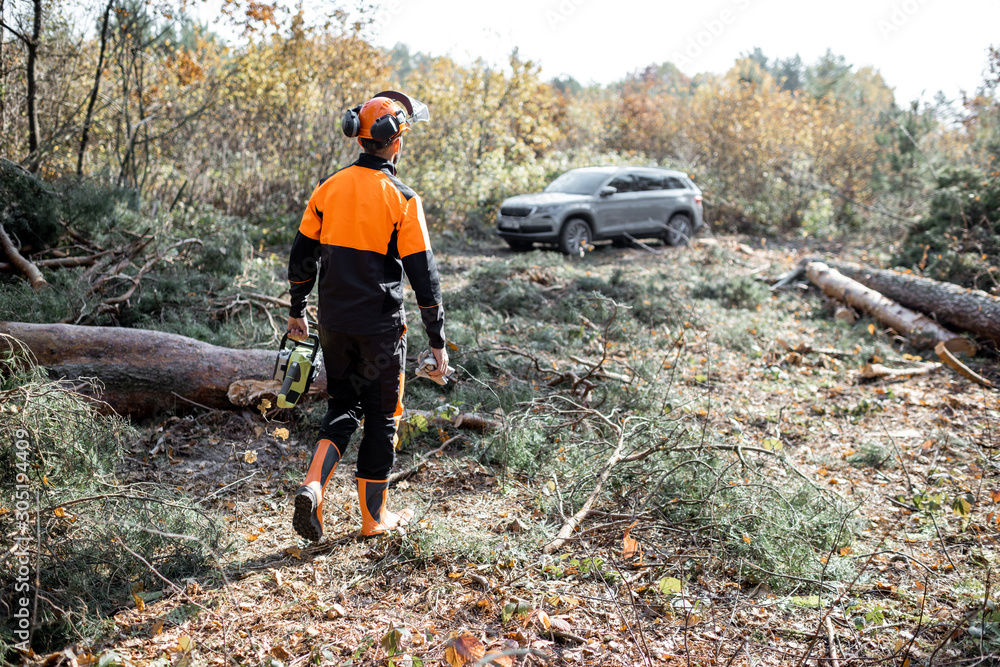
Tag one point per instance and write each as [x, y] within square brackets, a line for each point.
[308, 517]
[375, 518]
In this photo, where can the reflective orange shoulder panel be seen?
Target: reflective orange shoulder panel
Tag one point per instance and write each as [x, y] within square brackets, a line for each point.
[413, 237]
[311, 220]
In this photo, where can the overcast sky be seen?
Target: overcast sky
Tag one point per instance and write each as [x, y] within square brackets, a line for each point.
[920, 46]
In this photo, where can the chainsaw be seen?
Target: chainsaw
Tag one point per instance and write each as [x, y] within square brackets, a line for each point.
[296, 367]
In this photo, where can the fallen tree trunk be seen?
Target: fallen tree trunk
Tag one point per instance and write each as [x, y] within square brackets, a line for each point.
[29, 270]
[954, 305]
[145, 372]
[922, 331]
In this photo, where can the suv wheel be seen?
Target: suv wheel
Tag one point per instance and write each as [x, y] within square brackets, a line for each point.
[574, 237]
[679, 230]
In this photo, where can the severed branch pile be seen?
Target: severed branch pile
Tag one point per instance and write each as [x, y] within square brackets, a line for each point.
[114, 275]
[622, 430]
[580, 381]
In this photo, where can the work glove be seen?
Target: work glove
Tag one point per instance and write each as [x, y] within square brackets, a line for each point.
[426, 363]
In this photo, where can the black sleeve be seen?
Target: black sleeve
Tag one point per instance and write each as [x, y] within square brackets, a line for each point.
[303, 266]
[422, 271]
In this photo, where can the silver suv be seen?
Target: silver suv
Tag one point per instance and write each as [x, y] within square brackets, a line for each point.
[601, 203]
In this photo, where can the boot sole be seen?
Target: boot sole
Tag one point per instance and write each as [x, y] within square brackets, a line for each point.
[304, 521]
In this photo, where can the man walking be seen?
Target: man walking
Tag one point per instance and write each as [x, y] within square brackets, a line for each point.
[364, 228]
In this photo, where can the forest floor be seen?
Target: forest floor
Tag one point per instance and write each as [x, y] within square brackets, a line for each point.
[764, 391]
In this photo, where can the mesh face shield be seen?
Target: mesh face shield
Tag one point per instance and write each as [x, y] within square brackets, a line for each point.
[415, 109]
[384, 117]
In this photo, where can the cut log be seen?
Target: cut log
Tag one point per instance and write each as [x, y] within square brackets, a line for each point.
[970, 310]
[922, 331]
[143, 372]
[845, 315]
[880, 371]
[29, 270]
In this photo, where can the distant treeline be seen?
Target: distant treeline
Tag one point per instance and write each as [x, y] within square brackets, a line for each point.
[138, 95]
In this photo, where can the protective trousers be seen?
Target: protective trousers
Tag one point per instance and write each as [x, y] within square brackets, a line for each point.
[364, 378]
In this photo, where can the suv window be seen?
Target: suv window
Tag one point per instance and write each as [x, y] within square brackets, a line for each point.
[577, 182]
[647, 182]
[624, 183]
[674, 183]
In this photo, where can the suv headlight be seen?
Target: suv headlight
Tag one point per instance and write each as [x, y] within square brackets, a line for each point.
[545, 209]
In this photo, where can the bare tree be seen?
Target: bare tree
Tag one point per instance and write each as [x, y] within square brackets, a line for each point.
[3, 75]
[89, 118]
[31, 47]
[32, 85]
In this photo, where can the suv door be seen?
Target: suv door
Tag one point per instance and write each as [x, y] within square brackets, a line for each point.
[653, 204]
[614, 212]
[677, 194]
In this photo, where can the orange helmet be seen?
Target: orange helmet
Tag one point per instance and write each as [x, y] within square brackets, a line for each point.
[384, 117]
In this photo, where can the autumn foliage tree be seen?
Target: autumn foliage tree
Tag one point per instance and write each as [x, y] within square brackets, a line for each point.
[274, 129]
[491, 131]
[762, 150]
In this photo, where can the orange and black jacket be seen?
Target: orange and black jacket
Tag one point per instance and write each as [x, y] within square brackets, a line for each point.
[364, 228]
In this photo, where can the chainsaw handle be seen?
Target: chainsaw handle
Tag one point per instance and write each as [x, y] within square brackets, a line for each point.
[286, 397]
[292, 375]
[312, 342]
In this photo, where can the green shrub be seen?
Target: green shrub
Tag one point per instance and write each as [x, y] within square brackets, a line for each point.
[93, 209]
[519, 448]
[511, 288]
[66, 294]
[959, 238]
[545, 282]
[734, 292]
[66, 454]
[33, 209]
[650, 300]
[871, 455]
[187, 290]
[28, 207]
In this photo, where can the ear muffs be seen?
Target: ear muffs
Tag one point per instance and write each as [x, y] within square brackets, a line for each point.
[351, 122]
[385, 128]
